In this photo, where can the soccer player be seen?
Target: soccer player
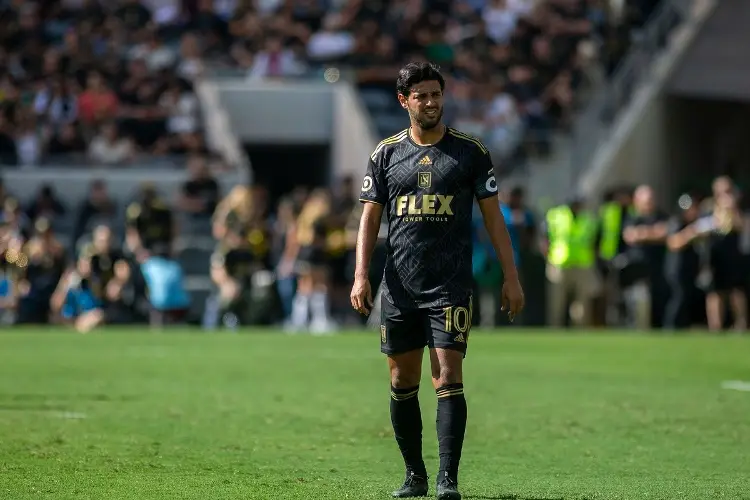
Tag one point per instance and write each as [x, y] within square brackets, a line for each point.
[426, 179]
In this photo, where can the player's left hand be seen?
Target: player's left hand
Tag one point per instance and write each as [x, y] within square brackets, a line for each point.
[513, 298]
[361, 296]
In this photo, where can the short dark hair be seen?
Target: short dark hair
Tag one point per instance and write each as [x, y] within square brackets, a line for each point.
[417, 72]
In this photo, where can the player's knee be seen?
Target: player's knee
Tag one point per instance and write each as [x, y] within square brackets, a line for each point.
[404, 377]
[445, 374]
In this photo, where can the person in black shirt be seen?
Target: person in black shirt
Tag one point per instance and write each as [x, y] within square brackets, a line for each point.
[644, 286]
[44, 263]
[149, 223]
[726, 260]
[683, 263]
[426, 178]
[200, 194]
[233, 265]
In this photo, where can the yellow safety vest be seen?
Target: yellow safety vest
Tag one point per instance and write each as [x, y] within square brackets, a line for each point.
[611, 217]
[571, 238]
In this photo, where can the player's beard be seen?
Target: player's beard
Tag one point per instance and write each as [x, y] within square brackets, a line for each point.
[428, 122]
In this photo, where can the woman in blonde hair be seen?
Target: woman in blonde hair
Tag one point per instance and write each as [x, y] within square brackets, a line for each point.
[235, 208]
[726, 261]
[310, 304]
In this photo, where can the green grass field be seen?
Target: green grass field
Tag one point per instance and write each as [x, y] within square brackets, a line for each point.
[135, 415]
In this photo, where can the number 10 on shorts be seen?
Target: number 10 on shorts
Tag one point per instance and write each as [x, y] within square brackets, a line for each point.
[457, 318]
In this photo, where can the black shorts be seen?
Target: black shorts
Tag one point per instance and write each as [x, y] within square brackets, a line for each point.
[408, 329]
[311, 257]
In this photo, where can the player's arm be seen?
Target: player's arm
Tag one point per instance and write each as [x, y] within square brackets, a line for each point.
[494, 222]
[373, 195]
[485, 191]
[367, 236]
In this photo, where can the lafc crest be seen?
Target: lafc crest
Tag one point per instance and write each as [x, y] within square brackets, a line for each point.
[382, 334]
[424, 179]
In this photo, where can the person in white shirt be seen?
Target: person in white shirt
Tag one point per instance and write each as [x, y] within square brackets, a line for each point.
[109, 148]
[275, 61]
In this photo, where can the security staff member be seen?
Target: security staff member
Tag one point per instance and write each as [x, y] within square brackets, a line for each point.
[572, 239]
[612, 214]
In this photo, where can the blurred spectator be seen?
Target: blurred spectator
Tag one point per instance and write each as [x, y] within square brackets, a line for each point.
[232, 268]
[16, 222]
[167, 295]
[66, 141]
[75, 301]
[181, 108]
[55, 102]
[333, 41]
[153, 51]
[102, 257]
[726, 260]
[46, 205]
[284, 248]
[109, 147]
[233, 212]
[683, 262]
[275, 61]
[190, 66]
[98, 208]
[8, 153]
[10, 247]
[310, 307]
[570, 239]
[98, 103]
[645, 233]
[29, 144]
[126, 295]
[519, 220]
[150, 223]
[41, 264]
[487, 272]
[200, 194]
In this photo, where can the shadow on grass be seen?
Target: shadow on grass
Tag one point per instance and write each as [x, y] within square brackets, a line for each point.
[509, 497]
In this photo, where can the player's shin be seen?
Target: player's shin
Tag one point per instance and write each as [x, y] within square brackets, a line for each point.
[406, 418]
[451, 427]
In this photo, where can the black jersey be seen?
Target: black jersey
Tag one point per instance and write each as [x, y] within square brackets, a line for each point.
[428, 193]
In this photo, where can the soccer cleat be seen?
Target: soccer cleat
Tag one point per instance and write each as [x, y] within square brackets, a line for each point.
[414, 486]
[447, 489]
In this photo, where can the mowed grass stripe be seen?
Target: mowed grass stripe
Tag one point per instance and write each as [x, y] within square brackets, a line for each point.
[266, 415]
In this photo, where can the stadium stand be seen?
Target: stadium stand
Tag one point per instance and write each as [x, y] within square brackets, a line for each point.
[97, 97]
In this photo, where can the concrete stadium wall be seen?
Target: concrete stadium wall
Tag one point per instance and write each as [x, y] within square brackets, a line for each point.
[643, 157]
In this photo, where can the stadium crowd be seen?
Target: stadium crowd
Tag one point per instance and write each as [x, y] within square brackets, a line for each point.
[515, 69]
[111, 83]
[107, 83]
[625, 262]
[629, 262]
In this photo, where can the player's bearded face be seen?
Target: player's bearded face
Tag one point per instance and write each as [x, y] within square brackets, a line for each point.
[425, 105]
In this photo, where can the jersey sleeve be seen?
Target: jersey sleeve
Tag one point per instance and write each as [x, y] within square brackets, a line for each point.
[373, 185]
[483, 175]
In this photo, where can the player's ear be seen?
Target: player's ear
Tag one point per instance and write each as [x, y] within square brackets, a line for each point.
[403, 100]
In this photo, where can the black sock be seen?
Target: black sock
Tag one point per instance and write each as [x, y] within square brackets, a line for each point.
[407, 426]
[451, 426]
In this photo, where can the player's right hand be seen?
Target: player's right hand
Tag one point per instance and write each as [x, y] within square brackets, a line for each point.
[361, 296]
[513, 297]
